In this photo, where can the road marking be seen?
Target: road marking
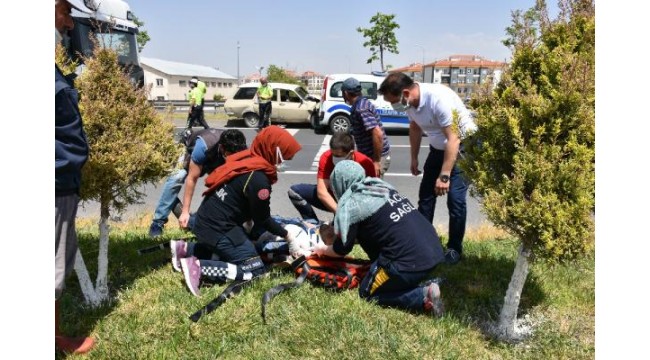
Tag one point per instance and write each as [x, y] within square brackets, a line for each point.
[324, 146]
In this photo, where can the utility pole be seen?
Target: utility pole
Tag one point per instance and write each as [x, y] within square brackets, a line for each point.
[238, 62]
[418, 45]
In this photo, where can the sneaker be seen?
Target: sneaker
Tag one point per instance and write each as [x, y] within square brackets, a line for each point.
[192, 273]
[179, 251]
[432, 300]
[156, 229]
[452, 257]
[72, 345]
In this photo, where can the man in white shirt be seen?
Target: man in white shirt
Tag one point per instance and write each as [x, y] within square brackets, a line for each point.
[437, 111]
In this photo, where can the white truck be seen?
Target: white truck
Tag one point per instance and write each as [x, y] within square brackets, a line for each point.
[112, 24]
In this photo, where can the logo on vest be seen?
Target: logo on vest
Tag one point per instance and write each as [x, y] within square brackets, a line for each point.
[221, 194]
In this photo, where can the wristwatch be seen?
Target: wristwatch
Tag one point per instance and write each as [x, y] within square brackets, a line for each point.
[444, 178]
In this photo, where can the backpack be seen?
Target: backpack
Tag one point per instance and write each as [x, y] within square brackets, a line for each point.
[336, 274]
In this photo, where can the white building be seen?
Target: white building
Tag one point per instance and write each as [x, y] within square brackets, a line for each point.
[168, 80]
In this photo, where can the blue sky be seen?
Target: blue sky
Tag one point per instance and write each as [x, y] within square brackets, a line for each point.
[320, 36]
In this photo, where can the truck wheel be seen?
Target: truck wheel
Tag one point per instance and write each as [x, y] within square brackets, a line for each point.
[340, 123]
[251, 120]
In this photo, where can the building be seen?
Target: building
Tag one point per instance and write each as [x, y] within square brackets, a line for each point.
[413, 70]
[463, 73]
[312, 80]
[168, 80]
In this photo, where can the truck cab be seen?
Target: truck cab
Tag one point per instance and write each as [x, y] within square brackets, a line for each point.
[112, 25]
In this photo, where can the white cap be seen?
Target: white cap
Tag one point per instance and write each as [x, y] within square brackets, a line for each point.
[86, 6]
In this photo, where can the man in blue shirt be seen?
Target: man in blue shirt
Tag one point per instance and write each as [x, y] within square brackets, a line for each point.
[366, 126]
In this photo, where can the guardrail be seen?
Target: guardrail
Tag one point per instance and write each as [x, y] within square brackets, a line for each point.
[183, 105]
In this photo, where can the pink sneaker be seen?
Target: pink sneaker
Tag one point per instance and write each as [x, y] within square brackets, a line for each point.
[179, 251]
[432, 300]
[192, 273]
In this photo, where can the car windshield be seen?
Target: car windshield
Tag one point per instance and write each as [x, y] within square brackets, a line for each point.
[302, 92]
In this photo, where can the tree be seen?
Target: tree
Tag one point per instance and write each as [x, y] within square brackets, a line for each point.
[278, 74]
[532, 160]
[381, 37]
[130, 146]
[143, 37]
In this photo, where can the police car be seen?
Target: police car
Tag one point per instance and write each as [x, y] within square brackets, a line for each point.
[334, 114]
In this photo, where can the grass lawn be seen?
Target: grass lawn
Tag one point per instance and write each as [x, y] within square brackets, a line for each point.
[148, 316]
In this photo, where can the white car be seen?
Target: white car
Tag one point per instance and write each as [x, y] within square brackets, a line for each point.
[335, 113]
[291, 104]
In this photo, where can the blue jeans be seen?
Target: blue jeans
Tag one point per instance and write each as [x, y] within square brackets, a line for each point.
[456, 197]
[303, 197]
[169, 198]
[389, 287]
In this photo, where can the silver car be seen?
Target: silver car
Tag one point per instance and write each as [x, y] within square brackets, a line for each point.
[291, 104]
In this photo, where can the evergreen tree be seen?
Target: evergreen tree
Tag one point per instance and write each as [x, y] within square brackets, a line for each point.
[532, 160]
[130, 146]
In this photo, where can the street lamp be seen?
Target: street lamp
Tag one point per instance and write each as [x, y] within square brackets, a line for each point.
[418, 45]
[238, 62]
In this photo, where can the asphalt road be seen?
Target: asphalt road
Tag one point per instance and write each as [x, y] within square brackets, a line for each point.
[302, 169]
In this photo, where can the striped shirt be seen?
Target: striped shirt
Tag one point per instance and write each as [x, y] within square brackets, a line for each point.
[363, 119]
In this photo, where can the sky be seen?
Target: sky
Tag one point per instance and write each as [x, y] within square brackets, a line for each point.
[321, 36]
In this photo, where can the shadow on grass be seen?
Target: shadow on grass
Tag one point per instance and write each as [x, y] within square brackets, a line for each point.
[125, 266]
[474, 289]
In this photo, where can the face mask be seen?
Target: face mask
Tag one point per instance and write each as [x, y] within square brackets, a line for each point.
[399, 106]
[58, 37]
[280, 166]
[338, 159]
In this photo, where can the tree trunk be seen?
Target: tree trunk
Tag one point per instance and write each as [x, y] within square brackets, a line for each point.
[95, 295]
[101, 284]
[508, 316]
[381, 57]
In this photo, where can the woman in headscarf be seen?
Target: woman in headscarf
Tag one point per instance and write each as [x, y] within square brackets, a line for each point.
[402, 244]
[238, 191]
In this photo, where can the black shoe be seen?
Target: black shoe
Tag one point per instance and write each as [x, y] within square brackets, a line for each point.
[452, 257]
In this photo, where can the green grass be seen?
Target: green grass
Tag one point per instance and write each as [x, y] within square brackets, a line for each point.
[148, 317]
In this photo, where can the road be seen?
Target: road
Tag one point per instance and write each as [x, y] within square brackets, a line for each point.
[302, 169]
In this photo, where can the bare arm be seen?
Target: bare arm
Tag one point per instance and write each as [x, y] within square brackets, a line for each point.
[324, 195]
[193, 174]
[415, 139]
[451, 151]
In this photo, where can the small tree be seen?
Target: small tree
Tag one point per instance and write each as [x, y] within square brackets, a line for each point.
[381, 37]
[130, 146]
[532, 158]
[143, 36]
[278, 74]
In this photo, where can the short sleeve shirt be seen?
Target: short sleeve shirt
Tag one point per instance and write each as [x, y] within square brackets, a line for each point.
[326, 165]
[435, 112]
[363, 119]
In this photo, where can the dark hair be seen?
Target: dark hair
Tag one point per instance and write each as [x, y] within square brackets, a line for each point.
[342, 141]
[394, 83]
[326, 232]
[232, 141]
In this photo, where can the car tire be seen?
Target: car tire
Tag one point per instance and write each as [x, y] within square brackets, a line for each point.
[251, 120]
[318, 129]
[339, 123]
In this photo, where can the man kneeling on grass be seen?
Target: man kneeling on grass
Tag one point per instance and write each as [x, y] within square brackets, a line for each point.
[402, 244]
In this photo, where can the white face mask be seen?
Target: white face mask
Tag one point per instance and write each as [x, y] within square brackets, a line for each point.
[338, 159]
[399, 106]
[280, 166]
[58, 36]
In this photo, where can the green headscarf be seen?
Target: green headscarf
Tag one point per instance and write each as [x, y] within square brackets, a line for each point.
[358, 196]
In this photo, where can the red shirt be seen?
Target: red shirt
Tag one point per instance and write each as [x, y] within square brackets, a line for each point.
[326, 165]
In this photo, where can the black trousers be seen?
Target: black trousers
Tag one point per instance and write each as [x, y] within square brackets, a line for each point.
[197, 116]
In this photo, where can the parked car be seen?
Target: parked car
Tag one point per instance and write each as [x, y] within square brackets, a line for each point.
[291, 104]
[334, 114]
